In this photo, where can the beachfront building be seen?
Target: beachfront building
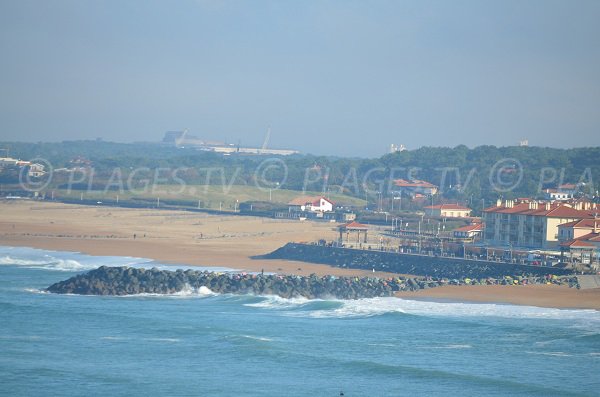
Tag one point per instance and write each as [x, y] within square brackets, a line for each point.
[311, 204]
[581, 240]
[447, 211]
[531, 223]
[468, 232]
[414, 187]
[578, 229]
[579, 251]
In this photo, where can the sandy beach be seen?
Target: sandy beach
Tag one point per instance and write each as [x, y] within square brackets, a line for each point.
[556, 296]
[192, 238]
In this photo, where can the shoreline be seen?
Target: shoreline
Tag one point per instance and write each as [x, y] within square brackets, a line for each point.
[549, 296]
[189, 239]
[546, 296]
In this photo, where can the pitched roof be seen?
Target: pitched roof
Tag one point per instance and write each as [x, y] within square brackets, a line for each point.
[593, 236]
[449, 207]
[313, 200]
[569, 186]
[561, 191]
[556, 210]
[354, 225]
[413, 183]
[577, 244]
[588, 223]
[470, 228]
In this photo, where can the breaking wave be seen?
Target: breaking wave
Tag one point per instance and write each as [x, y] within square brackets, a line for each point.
[51, 263]
[186, 292]
[382, 306]
[34, 258]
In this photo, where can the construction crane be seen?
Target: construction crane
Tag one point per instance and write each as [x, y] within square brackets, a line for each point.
[181, 140]
[266, 142]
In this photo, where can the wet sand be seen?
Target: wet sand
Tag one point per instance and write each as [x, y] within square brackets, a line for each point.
[556, 296]
[181, 237]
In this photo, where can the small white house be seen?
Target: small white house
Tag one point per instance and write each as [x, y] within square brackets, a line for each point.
[311, 204]
[556, 194]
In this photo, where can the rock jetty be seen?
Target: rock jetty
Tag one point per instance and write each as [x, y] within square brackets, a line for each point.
[131, 281]
[418, 265]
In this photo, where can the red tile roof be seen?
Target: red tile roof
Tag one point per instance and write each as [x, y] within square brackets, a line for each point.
[569, 186]
[448, 207]
[314, 200]
[556, 210]
[589, 223]
[413, 183]
[577, 244]
[593, 236]
[470, 228]
[355, 226]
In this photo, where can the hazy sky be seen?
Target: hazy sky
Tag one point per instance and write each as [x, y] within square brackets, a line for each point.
[329, 77]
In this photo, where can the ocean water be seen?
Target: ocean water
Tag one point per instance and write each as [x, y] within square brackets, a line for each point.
[200, 344]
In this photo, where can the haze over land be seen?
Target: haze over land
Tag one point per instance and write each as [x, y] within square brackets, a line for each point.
[342, 78]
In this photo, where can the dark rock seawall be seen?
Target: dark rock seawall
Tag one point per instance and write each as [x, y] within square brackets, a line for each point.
[419, 265]
[130, 281]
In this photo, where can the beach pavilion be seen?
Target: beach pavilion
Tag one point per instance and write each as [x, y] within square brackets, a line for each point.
[351, 228]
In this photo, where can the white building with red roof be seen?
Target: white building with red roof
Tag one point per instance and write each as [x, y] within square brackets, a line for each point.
[468, 232]
[311, 204]
[447, 211]
[556, 194]
[531, 223]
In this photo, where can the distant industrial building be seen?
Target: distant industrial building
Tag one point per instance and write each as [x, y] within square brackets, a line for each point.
[183, 139]
[397, 148]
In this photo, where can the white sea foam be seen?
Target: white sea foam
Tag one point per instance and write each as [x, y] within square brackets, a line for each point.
[553, 354]
[76, 262]
[36, 291]
[382, 344]
[587, 319]
[112, 338]
[22, 337]
[168, 340]
[259, 338]
[61, 261]
[48, 263]
[186, 292]
[449, 347]
[276, 302]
